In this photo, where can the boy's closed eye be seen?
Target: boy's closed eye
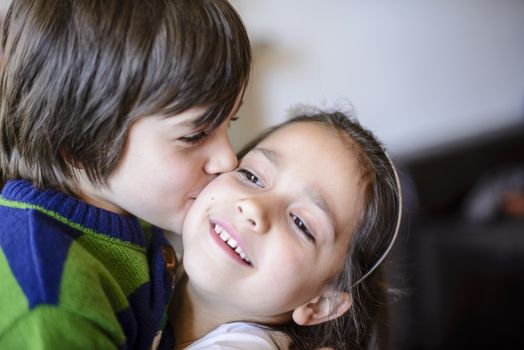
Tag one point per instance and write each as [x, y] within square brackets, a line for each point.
[201, 135]
[195, 138]
[233, 119]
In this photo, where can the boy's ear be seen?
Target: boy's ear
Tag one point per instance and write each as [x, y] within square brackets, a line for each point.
[327, 306]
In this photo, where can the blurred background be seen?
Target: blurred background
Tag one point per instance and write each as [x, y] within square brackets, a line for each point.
[420, 74]
[441, 82]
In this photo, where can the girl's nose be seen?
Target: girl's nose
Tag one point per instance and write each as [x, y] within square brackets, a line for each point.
[253, 215]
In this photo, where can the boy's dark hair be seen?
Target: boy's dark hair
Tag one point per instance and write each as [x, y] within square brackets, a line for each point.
[77, 74]
[371, 240]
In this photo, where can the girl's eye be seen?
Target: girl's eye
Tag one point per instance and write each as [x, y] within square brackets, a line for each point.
[302, 227]
[250, 177]
[194, 138]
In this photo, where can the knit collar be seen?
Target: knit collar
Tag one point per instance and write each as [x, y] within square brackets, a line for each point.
[125, 228]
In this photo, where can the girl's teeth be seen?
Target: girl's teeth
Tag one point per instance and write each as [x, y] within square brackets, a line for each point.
[226, 237]
[232, 243]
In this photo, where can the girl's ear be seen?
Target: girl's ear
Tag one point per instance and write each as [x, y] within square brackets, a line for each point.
[327, 306]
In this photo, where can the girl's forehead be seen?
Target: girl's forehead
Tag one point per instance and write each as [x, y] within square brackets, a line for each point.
[313, 130]
[304, 142]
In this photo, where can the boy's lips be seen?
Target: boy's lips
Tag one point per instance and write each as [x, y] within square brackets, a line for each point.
[229, 240]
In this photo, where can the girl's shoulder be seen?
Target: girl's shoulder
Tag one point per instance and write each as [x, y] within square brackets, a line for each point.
[241, 335]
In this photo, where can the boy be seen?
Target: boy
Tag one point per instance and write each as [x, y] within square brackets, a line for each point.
[110, 110]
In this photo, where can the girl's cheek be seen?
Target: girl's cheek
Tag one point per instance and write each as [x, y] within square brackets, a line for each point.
[289, 261]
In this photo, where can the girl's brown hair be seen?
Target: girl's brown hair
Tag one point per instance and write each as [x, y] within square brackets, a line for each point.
[362, 274]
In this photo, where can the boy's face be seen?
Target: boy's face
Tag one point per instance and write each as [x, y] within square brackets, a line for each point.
[291, 207]
[167, 162]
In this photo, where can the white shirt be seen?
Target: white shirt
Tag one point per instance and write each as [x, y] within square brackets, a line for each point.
[241, 335]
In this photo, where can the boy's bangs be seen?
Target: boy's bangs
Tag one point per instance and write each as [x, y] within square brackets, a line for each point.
[209, 67]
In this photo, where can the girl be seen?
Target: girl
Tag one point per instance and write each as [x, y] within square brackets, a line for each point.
[284, 251]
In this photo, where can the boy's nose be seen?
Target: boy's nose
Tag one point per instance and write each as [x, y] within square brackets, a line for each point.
[222, 158]
[253, 215]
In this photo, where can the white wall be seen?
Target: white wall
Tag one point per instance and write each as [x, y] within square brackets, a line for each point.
[420, 73]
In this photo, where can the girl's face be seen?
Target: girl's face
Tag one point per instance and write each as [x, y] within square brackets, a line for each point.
[264, 239]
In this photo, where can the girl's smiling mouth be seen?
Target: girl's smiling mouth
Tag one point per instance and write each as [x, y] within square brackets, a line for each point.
[224, 238]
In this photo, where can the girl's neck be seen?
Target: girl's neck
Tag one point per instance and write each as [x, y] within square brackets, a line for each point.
[191, 317]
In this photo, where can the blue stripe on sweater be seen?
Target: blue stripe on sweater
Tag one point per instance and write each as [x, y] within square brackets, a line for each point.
[36, 259]
[149, 302]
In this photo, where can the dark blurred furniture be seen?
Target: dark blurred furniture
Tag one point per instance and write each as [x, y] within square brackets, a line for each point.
[461, 282]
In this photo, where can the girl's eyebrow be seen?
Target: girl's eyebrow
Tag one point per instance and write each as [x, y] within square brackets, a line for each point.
[315, 196]
[272, 156]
